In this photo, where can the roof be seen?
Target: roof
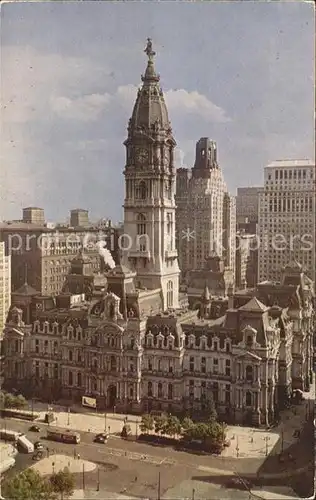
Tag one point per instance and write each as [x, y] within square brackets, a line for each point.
[303, 162]
[120, 269]
[26, 289]
[33, 208]
[254, 305]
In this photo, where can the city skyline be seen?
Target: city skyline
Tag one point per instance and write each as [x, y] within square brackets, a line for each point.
[68, 94]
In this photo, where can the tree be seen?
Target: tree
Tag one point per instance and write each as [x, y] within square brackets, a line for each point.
[20, 402]
[28, 485]
[187, 423]
[173, 426]
[147, 424]
[63, 482]
[211, 410]
[161, 422]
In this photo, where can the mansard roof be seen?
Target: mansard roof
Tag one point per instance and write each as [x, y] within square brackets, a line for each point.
[27, 290]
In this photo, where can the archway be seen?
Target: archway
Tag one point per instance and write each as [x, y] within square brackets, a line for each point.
[111, 396]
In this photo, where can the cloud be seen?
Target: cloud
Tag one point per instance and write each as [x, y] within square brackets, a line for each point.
[86, 108]
[33, 80]
[195, 103]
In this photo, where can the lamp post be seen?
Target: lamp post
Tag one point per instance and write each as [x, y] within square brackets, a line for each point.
[68, 417]
[98, 481]
[159, 486]
[105, 422]
[237, 448]
[266, 438]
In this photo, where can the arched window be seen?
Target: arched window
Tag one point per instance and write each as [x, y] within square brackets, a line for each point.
[169, 294]
[141, 191]
[160, 390]
[79, 379]
[113, 363]
[70, 378]
[150, 389]
[248, 398]
[70, 355]
[141, 224]
[170, 391]
[249, 373]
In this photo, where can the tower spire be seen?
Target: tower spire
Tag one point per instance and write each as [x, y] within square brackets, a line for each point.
[150, 73]
[149, 50]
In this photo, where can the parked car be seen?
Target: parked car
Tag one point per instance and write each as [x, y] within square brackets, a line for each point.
[101, 438]
[38, 445]
[34, 428]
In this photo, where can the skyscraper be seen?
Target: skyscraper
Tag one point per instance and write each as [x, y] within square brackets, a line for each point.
[287, 218]
[5, 286]
[206, 213]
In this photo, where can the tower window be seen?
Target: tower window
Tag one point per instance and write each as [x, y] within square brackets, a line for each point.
[141, 191]
[169, 294]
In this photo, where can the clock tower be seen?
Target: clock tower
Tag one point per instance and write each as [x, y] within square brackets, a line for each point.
[149, 206]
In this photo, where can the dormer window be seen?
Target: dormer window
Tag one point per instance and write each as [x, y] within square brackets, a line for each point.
[191, 341]
[249, 373]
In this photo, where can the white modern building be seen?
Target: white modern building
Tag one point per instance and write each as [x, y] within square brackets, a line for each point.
[287, 218]
[5, 286]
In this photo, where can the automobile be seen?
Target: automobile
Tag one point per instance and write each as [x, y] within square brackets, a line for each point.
[34, 428]
[101, 438]
[38, 455]
[38, 445]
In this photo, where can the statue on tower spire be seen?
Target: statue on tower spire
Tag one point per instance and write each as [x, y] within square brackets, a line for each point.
[149, 50]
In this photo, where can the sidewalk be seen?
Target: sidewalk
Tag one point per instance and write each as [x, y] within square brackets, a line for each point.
[245, 441]
[94, 423]
[56, 463]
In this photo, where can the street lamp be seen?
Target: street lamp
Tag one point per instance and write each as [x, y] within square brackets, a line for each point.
[266, 438]
[237, 448]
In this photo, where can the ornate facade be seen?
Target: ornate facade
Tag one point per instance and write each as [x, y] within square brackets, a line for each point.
[131, 340]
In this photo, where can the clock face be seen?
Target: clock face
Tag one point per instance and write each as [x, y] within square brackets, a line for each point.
[142, 155]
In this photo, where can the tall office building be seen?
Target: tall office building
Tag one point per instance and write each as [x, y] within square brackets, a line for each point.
[206, 212]
[247, 204]
[5, 286]
[287, 218]
[45, 254]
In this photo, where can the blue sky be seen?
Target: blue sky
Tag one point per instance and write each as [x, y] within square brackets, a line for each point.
[241, 73]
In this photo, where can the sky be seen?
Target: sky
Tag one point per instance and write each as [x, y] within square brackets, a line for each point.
[241, 73]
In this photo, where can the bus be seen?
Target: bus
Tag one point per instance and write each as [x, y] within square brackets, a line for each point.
[7, 435]
[25, 444]
[64, 436]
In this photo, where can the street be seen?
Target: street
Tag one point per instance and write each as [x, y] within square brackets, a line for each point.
[133, 467]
